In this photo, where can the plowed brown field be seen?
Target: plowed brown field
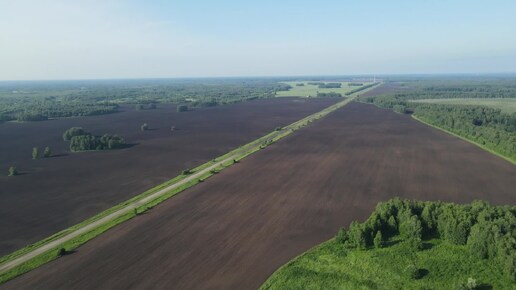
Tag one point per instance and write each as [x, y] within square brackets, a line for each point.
[237, 228]
[55, 193]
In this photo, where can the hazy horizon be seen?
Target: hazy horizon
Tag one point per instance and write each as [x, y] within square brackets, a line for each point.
[95, 40]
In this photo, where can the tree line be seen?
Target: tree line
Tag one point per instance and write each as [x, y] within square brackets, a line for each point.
[361, 89]
[39, 102]
[329, 95]
[329, 85]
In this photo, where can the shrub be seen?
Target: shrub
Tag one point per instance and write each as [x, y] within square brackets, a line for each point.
[35, 153]
[413, 272]
[144, 127]
[471, 284]
[74, 131]
[342, 236]
[47, 152]
[357, 237]
[12, 171]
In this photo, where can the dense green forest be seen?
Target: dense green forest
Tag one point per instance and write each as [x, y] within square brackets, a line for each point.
[413, 245]
[82, 140]
[36, 101]
[489, 127]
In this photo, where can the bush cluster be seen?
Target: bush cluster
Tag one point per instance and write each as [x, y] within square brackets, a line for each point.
[81, 140]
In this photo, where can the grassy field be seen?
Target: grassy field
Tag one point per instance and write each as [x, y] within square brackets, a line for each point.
[332, 266]
[311, 90]
[506, 105]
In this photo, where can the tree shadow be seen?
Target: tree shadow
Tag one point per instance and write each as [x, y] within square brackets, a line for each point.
[427, 246]
[59, 155]
[127, 145]
[67, 253]
[19, 173]
[484, 286]
[423, 273]
[391, 243]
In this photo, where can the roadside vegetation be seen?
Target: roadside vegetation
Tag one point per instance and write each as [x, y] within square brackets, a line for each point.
[413, 245]
[465, 108]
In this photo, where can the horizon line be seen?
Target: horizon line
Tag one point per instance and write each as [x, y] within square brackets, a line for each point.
[266, 76]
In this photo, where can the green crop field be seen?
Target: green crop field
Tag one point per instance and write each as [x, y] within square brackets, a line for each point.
[311, 90]
[507, 105]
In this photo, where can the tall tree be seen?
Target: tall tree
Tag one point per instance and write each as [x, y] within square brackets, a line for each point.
[13, 171]
[47, 153]
[35, 153]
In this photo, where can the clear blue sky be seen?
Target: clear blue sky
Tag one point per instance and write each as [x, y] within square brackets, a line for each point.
[132, 39]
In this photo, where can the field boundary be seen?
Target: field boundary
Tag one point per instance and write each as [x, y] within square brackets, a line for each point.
[66, 241]
[465, 139]
[450, 133]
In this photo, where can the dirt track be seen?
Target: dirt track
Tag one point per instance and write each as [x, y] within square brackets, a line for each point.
[58, 192]
[233, 231]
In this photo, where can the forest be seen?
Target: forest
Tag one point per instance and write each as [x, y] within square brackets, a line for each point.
[38, 101]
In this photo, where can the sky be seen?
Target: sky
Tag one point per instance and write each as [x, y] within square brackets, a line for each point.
[75, 39]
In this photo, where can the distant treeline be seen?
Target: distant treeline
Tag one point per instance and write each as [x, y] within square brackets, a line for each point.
[330, 85]
[41, 111]
[55, 100]
[355, 84]
[486, 126]
[81, 140]
[488, 232]
[361, 89]
[145, 106]
[329, 95]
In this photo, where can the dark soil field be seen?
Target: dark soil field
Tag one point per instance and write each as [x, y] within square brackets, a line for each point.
[55, 193]
[236, 229]
[385, 88]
